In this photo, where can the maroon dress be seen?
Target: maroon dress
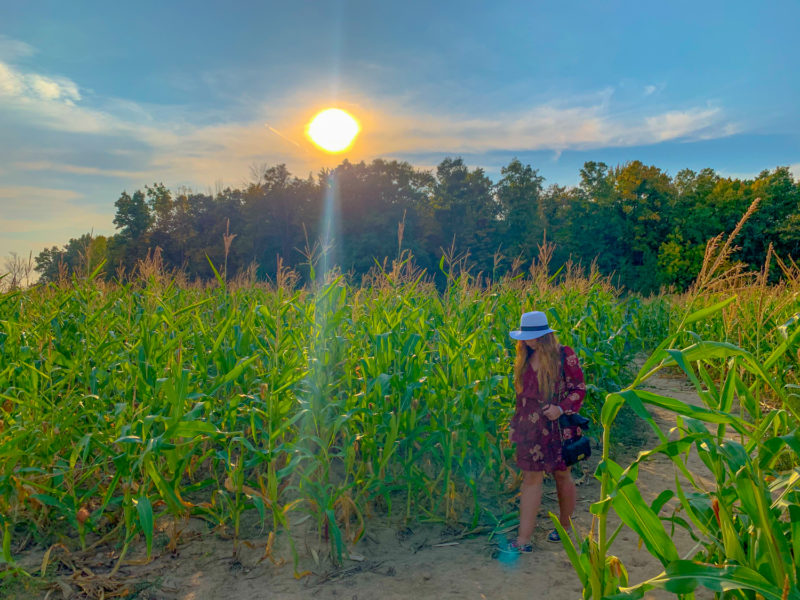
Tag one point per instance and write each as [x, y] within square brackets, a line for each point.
[538, 439]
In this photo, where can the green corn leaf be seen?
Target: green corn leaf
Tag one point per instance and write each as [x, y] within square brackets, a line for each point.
[197, 304]
[336, 534]
[755, 501]
[794, 519]
[7, 558]
[97, 270]
[52, 501]
[191, 429]
[610, 409]
[695, 412]
[780, 350]
[660, 500]
[685, 575]
[240, 367]
[771, 448]
[570, 549]
[708, 311]
[730, 538]
[146, 521]
[636, 514]
[220, 280]
[82, 445]
[164, 489]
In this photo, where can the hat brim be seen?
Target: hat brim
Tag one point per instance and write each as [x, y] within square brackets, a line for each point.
[529, 335]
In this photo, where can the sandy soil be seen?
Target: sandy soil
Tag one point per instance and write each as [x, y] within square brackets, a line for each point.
[395, 564]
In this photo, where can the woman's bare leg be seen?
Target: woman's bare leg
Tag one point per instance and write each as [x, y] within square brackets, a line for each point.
[566, 495]
[529, 501]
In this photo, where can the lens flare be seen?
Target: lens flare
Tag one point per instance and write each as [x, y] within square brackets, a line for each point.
[333, 130]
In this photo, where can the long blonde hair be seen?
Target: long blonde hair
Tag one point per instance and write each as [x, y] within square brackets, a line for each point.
[549, 364]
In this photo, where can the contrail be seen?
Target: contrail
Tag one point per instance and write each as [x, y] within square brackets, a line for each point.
[279, 134]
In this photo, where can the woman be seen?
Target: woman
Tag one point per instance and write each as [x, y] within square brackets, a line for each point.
[549, 382]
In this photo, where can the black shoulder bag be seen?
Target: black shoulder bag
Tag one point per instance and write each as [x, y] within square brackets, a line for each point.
[576, 448]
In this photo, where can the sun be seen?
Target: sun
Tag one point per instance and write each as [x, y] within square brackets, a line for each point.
[333, 130]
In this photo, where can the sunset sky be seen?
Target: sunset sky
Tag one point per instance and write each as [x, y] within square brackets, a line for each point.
[97, 98]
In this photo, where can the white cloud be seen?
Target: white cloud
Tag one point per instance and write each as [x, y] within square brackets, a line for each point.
[649, 89]
[11, 84]
[18, 86]
[54, 89]
[795, 171]
[677, 124]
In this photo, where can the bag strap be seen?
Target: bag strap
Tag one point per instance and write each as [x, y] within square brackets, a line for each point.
[563, 365]
[564, 379]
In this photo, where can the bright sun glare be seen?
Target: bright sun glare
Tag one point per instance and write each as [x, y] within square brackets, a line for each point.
[333, 130]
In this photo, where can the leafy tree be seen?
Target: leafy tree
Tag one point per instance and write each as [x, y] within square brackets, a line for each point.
[80, 256]
[133, 219]
[465, 211]
[642, 201]
[597, 224]
[780, 200]
[519, 193]
[678, 261]
[133, 216]
[275, 210]
[161, 205]
[373, 201]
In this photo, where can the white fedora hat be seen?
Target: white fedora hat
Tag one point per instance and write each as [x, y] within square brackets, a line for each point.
[532, 325]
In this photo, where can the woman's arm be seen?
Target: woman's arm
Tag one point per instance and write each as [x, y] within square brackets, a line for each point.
[576, 388]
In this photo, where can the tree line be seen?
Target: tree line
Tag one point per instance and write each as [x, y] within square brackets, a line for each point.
[646, 228]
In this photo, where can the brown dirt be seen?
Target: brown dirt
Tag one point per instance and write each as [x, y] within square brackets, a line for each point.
[395, 564]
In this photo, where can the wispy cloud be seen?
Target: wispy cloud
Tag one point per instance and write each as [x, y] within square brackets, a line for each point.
[50, 166]
[12, 49]
[654, 88]
[696, 123]
[551, 127]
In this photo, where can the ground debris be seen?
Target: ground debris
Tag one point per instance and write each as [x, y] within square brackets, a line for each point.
[340, 574]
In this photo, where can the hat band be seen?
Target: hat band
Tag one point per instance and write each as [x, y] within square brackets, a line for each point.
[535, 328]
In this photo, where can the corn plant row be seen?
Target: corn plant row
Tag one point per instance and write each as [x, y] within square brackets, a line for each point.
[746, 523]
[123, 405]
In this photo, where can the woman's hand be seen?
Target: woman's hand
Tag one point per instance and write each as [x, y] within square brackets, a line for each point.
[552, 411]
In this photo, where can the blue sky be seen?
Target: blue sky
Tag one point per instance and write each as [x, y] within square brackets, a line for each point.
[96, 98]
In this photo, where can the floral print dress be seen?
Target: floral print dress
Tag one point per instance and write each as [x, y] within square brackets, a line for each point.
[538, 439]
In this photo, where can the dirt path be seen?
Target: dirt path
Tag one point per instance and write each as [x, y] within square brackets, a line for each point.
[408, 564]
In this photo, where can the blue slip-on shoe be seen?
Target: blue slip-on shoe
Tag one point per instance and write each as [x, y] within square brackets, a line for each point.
[553, 536]
[516, 548]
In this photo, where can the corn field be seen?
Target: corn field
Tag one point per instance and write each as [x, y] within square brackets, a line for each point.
[125, 406]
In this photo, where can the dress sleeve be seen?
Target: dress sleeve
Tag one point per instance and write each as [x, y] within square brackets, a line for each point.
[573, 376]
